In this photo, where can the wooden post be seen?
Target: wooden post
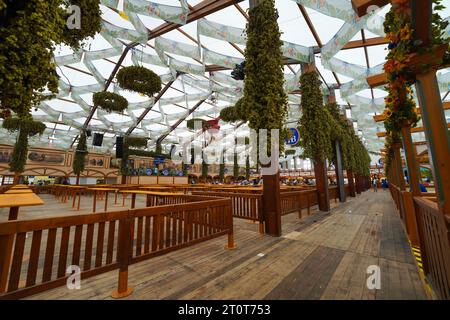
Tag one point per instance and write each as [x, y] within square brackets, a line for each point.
[436, 131]
[339, 172]
[231, 245]
[78, 180]
[123, 256]
[320, 172]
[411, 161]
[272, 204]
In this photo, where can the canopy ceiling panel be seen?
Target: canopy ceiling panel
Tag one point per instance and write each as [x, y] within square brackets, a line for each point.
[192, 45]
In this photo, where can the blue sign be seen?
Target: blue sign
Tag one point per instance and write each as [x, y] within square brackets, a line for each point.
[158, 161]
[294, 139]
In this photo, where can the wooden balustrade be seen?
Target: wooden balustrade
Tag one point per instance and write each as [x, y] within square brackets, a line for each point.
[101, 242]
[433, 228]
[427, 227]
[298, 200]
[244, 205]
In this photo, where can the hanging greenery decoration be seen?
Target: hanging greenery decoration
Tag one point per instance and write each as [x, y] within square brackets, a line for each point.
[80, 155]
[190, 124]
[27, 66]
[90, 22]
[400, 105]
[235, 166]
[135, 142]
[110, 101]
[229, 114]
[205, 169]
[247, 168]
[222, 167]
[29, 34]
[26, 127]
[314, 125]
[234, 113]
[139, 79]
[158, 148]
[264, 96]
[391, 139]
[19, 155]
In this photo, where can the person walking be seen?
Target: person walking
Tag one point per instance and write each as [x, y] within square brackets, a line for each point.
[375, 185]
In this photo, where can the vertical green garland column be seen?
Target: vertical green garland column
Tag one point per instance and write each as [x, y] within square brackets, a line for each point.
[235, 166]
[80, 156]
[222, 167]
[314, 132]
[264, 96]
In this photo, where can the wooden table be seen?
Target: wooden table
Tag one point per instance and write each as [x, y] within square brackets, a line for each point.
[19, 191]
[20, 186]
[15, 201]
[148, 193]
[76, 192]
[105, 190]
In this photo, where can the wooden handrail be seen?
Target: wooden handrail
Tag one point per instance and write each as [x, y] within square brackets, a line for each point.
[143, 234]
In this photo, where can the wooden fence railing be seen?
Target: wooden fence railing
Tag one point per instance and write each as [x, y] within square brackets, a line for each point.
[101, 242]
[434, 234]
[297, 200]
[244, 205]
[430, 229]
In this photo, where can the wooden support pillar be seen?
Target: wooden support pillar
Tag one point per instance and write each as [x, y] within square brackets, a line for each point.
[351, 183]
[339, 172]
[320, 172]
[272, 204]
[411, 161]
[436, 132]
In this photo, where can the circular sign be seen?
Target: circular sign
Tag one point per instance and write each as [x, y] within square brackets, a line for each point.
[294, 138]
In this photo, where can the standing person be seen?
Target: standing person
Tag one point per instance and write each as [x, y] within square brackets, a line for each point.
[375, 185]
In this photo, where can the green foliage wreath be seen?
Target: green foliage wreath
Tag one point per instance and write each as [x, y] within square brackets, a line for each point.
[110, 101]
[139, 79]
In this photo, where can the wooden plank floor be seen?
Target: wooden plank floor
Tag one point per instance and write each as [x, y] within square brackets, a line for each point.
[322, 256]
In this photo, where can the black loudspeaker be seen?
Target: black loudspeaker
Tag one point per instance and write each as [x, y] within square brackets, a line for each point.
[98, 140]
[119, 147]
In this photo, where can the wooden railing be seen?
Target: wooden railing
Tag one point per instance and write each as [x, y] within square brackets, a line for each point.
[244, 205]
[249, 206]
[101, 242]
[434, 235]
[298, 200]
